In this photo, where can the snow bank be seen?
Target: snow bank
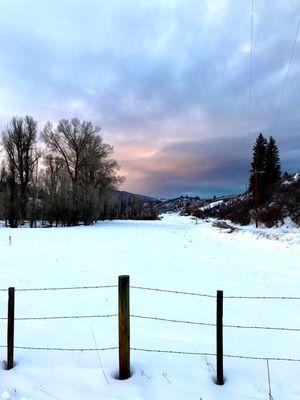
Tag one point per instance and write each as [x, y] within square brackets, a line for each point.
[211, 205]
[173, 253]
[294, 179]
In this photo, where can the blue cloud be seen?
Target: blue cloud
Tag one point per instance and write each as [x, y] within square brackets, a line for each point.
[172, 75]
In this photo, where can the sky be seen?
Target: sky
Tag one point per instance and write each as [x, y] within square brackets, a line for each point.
[166, 80]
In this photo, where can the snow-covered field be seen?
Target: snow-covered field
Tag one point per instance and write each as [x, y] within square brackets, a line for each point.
[173, 253]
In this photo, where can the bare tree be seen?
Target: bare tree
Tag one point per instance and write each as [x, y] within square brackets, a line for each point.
[19, 141]
[86, 158]
[53, 178]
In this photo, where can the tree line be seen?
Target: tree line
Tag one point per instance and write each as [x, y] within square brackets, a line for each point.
[265, 166]
[63, 175]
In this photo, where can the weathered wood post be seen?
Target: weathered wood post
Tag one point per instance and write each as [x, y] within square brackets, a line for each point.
[219, 337]
[10, 328]
[124, 328]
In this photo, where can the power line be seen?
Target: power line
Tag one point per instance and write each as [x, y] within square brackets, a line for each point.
[285, 80]
[250, 70]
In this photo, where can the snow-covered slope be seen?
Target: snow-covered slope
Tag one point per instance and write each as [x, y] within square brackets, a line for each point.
[293, 179]
[211, 205]
[173, 253]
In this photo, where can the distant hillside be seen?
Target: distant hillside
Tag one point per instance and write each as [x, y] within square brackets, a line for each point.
[119, 204]
[280, 201]
[157, 206]
[182, 203]
[124, 194]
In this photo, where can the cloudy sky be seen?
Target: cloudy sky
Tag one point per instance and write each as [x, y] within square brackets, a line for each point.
[167, 81]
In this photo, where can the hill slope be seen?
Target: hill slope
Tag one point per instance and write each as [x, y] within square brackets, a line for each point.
[280, 202]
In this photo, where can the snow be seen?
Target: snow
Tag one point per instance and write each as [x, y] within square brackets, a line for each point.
[211, 205]
[174, 253]
[294, 179]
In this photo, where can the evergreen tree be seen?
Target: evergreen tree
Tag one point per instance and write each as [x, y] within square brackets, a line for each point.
[273, 168]
[258, 165]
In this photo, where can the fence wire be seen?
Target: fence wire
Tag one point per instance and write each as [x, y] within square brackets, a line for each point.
[212, 296]
[214, 354]
[263, 297]
[64, 288]
[178, 321]
[62, 317]
[173, 291]
[191, 353]
[64, 348]
[214, 325]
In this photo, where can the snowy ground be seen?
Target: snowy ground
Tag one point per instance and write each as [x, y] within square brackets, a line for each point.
[174, 253]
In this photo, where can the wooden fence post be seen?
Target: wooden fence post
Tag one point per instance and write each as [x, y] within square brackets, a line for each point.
[10, 328]
[220, 375]
[124, 328]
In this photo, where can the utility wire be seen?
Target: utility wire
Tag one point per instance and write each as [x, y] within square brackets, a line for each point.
[250, 70]
[285, 80]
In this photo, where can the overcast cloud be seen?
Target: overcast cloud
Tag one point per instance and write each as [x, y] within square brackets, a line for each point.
[168, 82]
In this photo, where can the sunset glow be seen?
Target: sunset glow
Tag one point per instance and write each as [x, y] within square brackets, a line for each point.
[167, 81]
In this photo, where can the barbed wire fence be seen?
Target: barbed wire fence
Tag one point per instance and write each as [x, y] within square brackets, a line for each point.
[124, 321]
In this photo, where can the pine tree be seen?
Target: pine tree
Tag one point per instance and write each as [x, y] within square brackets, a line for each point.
[273, 168]
[258, 165]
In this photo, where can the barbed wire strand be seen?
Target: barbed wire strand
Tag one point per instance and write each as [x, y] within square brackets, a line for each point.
[154, 319]
[214, 296]
[62, 317]
[173, 291]
[263, 297]
[65, 288]
[213, 354]
[214, 325]
[64, 348]
[154, 351]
